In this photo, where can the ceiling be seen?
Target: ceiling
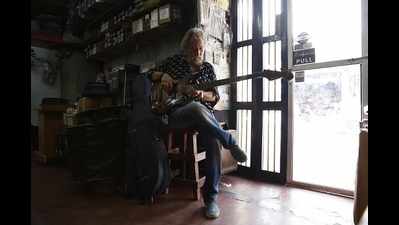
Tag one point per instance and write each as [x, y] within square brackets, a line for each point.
[50, 17]
[55, 9]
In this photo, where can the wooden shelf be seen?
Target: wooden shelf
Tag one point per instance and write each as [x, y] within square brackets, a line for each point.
[143, 38]
[101, 35]
[100, 16]
[128, 21]
[150, 9]
[51, 41]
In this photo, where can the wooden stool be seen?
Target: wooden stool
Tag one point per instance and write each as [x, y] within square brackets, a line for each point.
[183, 148]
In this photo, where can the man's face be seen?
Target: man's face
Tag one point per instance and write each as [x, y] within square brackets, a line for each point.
[197, 51]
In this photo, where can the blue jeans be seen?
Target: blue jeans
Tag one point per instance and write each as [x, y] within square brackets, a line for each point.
[200, 117]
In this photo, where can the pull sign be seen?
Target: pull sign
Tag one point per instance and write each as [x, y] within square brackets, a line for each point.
[304, 56]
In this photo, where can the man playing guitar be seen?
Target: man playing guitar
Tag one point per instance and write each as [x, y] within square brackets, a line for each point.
[190, 68]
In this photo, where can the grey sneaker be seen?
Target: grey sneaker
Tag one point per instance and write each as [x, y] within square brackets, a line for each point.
[238, 154]
[212, 210]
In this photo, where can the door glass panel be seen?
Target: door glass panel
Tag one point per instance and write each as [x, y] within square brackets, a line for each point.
[271, 140]
[244, 133]
[244, 20]
[326, 119]
[272, 61]
[271, 12]
[333, 27]
[244, 67]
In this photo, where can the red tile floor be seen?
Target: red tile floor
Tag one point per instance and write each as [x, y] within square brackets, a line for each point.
[243, 202]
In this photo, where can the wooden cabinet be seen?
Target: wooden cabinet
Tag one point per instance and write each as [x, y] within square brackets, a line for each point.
[361, 189]
[50, 124]
[96, 150]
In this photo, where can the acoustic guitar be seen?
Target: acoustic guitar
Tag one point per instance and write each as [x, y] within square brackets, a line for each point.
[163, 102]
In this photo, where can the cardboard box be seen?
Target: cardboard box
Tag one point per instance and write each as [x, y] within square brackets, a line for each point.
[70, 120]
[105, 102]
[168, 13]
[154, 19]
[147, 22]
[137, 26]
[87, 103]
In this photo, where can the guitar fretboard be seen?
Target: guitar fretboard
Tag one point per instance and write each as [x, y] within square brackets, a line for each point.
[269, 74]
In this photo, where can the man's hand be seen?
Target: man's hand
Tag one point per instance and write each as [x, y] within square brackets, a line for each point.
[198, 94]
[167, 82]
[207, 96]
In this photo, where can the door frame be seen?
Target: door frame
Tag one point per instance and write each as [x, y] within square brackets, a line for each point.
[257, 106]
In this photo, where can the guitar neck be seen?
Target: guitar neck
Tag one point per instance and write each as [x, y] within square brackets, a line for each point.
[269, 74]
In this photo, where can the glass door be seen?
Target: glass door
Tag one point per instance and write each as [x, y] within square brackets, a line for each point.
[329, 57]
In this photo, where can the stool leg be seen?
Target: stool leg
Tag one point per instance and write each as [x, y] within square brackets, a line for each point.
[187, 145]
[170, 141]
[195, 168]
[196, 191]
[185, 148]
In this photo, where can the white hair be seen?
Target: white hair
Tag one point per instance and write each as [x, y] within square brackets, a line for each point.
[193, 32]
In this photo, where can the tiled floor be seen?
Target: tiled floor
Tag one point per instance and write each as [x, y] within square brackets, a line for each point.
[243, 202]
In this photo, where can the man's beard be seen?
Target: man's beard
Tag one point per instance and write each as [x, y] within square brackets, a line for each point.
[196, 61]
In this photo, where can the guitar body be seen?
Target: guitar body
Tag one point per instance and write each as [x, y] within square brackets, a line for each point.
[164, 102]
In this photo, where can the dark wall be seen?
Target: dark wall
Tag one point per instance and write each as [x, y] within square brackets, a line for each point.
[39, 88]
[76, 72]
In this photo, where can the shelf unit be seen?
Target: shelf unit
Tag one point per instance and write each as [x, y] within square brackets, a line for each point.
[45, 40]
[143, 38]
[103, 11]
